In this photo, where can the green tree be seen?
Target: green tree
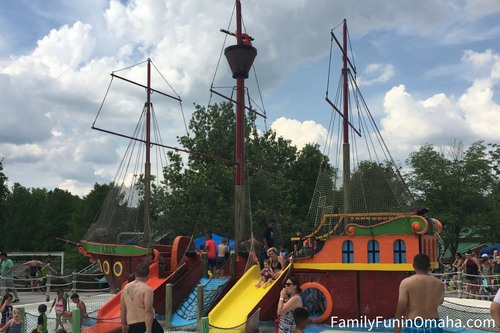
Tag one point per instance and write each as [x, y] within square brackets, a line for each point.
[4, 194]
[55, 219]
[487, 227]
[454, 184]
[84, 215]
[199, 194]
[23, 218]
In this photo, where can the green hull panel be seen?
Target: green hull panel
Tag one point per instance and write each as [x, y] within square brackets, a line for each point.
[398, 226]
[114, 249]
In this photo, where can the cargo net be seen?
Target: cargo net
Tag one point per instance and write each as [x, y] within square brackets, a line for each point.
[120, 213]
[249, 326]
[188, 309]
[123, 208]
[463, 318]
[92, 302]
[358, 182]
[53, 323]
[31, 322]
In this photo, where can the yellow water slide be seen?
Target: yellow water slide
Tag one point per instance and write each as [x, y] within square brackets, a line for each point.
[243, 297]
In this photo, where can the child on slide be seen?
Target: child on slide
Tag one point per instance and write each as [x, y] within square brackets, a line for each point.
[266, 275]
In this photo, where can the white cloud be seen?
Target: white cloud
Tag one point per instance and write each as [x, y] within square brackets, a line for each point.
[376, 73]
[475, 115]
[98, 150]
[58, 52]
[75, 187]
[301, 133]
[479, 8]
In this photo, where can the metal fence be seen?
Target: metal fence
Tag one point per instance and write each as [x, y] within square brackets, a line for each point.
[461, 285]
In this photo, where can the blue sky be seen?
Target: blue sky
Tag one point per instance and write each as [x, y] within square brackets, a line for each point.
[429, 71]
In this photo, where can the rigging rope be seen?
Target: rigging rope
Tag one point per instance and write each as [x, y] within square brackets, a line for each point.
[119, 70]
[221, 52]
[106, 95]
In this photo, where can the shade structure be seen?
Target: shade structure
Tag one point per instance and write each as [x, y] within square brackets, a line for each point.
[240, 59]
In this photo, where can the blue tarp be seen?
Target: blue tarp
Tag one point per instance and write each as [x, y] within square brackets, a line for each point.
[489, 250]
[216, 238]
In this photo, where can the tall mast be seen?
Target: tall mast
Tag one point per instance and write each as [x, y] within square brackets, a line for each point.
[240, 58]
[147, 167]
[240, 145]
[345, 146]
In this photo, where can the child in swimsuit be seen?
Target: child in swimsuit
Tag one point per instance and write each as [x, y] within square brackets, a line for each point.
[14, 325]
[6, 309]
[60, 304]
[266, 275]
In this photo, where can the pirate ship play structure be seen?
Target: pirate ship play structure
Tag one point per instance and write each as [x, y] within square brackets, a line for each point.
[368, 220]
[364, 217]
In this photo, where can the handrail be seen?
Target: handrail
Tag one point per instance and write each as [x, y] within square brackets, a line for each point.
[127, 233]
[359, 215]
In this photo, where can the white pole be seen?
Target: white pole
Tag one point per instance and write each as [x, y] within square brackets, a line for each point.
[62, 263]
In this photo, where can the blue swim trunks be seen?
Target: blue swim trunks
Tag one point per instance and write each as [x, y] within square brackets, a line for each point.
[423, 326]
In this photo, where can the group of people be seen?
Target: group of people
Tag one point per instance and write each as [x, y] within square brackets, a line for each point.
[293, 317]
[419, 298]
[302, 247]
[11, 318]
[217, 255]
[35, 273]
[482, 275]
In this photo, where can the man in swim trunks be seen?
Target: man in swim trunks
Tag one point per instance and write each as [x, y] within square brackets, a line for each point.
[137, 311]
[419, 298]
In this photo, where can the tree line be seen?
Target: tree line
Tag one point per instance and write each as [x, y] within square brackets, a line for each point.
[460, 186]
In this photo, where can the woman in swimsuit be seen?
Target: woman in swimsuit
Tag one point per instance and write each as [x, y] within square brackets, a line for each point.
[276, 262]
[457, 264]
[285, 310]
[33, 264]
[471, 268]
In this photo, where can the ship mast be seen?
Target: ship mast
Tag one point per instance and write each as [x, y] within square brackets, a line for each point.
[240, 145]
[147, 166]
[240, 58]
[345, 156]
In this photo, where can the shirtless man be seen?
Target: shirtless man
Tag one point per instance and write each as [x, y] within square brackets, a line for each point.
[495, 310]
[419, 298]
[137, 311]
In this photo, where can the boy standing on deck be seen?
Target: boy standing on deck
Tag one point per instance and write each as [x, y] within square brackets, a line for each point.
[268, 237]
[419, 298]
[42, 318]
[210, 247]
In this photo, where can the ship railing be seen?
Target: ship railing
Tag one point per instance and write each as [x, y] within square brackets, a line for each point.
[73, 283]
[461, 285]
[341, 217]
[92, 268]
